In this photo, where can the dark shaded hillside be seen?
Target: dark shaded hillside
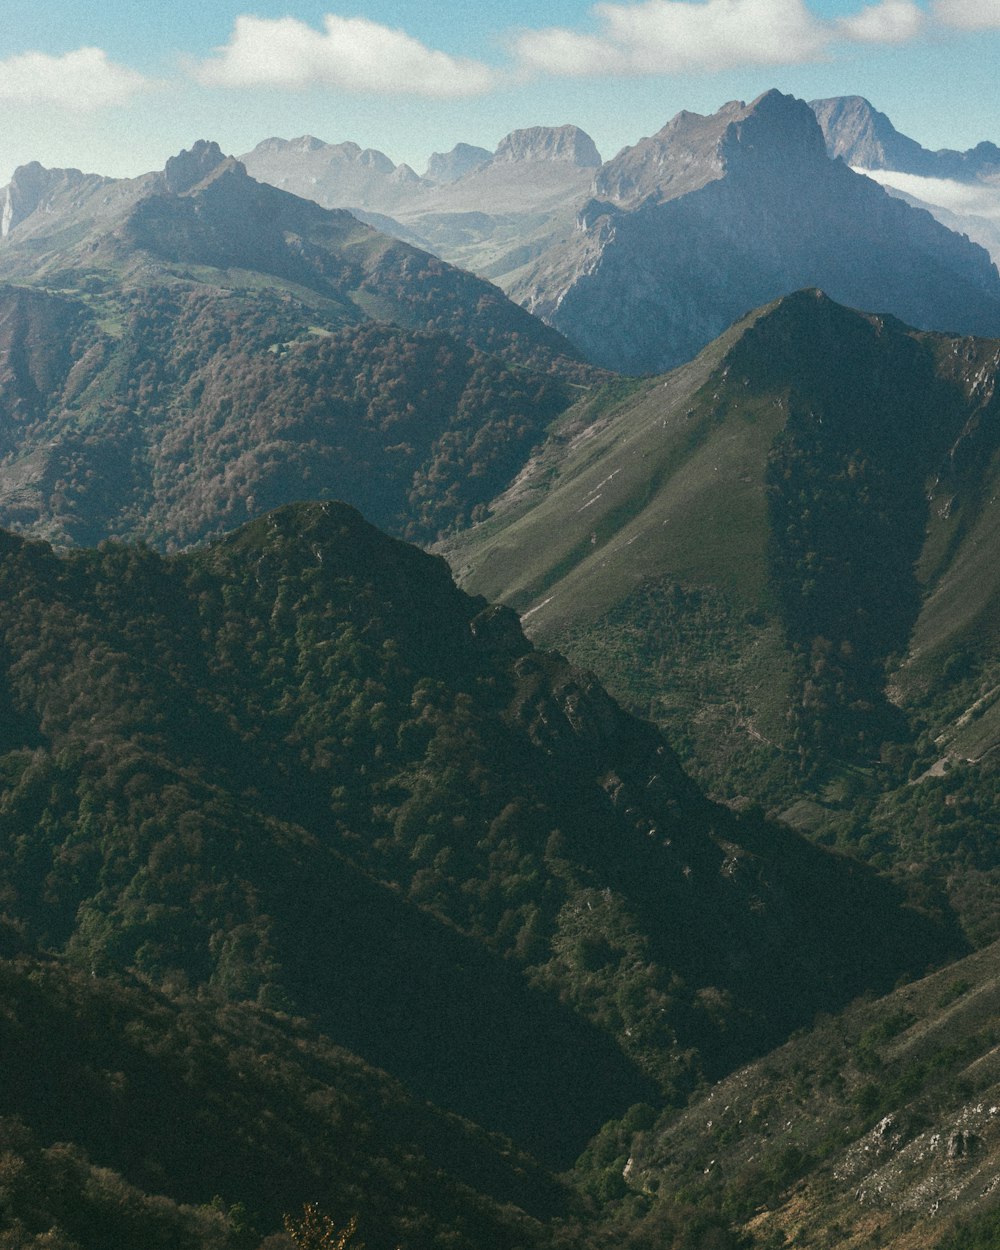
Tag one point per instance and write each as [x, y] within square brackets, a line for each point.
[301, 766]
[130, 1117]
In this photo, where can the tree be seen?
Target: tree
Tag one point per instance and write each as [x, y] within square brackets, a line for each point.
[314, 1230]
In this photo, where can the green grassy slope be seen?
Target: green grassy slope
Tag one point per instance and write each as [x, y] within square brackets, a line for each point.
[709, 542]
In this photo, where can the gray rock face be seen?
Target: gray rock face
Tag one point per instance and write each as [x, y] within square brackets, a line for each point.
[692, 151]
[716, 215]
[568, 144]
[29, 188]
[335, 175]
[188, 168]
[864, 137]
[488, 212]
[450, 166]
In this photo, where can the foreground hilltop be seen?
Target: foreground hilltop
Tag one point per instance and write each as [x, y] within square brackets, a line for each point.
[302, 767]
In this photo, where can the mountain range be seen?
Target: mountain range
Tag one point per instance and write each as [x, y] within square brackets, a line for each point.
[961, 189]
[643, 259]
[184, 350]
[326, 890]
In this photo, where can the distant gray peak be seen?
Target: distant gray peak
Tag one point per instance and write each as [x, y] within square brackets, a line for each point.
[370, 158]
[568, 144]
[405, 175]
[692, 150]
[188, 168]
[28, 188]
[304, 143]
[856, 131]
[346, 152]
[450, 166]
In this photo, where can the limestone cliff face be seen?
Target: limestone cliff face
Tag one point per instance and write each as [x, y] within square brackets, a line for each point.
[569, 144]
[29, 187]
[716, 215]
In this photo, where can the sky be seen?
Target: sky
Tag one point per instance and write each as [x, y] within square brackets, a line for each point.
[118, 87]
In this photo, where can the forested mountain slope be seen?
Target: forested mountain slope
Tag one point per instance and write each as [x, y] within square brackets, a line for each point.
[783, 553]
[301, 767]
[185, 350]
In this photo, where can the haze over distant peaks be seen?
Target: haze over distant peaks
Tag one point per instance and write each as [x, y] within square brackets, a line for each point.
[714, 215]
[549, 143]
[856, 131]
[450, 166]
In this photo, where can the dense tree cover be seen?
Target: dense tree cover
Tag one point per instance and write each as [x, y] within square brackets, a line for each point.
[196, 1121]
[299, 772]
[301, 767]
[205, 407]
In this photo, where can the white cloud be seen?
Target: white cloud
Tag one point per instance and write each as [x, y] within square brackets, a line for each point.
[968, 14]
[674, 36]
[83, 80]
[353, 54]
[969, 198]
[677, 36]
[892, 21]
[565, 52]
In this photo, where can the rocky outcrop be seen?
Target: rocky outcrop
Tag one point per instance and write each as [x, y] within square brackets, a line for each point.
[30, 186]
[568, 144]
[857, 132]
[185, 170]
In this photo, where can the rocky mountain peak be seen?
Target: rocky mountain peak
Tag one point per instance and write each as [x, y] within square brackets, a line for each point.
[692, 150]
[188, 168]
[450, 166]
[567, 144]
[27, 189]
[774, 128]
[304, 143]
[856, 131]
